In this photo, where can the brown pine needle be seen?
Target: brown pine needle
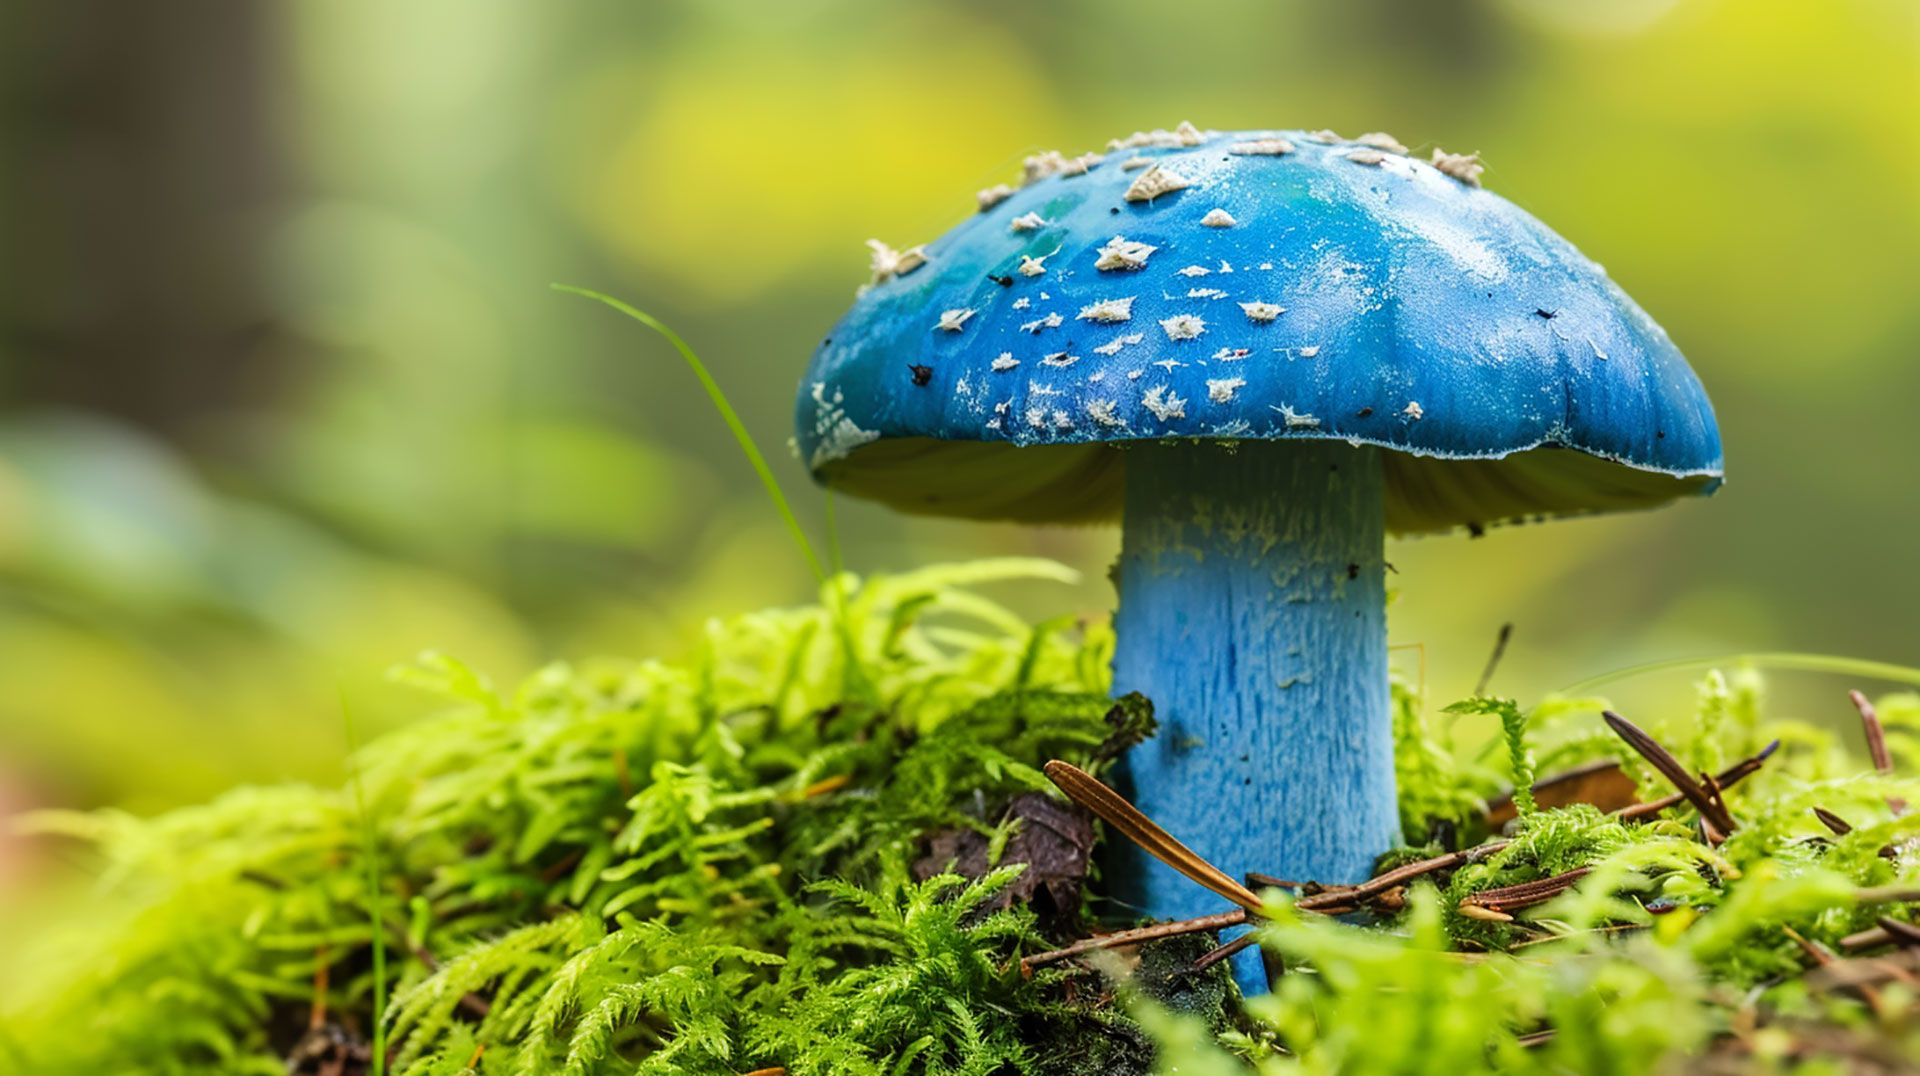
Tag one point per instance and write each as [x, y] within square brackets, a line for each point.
[1676, 774]
[1084, 789]
[1526, 894]
[1834, 822]
[1877, 746]
[1905, 935]
[1139, 934]
[1726, 778]
[1876, 733]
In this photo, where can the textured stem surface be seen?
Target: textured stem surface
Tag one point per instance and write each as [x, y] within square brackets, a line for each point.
[1253, 614]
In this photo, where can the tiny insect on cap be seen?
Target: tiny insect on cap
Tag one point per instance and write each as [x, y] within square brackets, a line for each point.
[1280, 285]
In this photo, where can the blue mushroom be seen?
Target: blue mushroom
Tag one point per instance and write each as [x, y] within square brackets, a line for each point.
[1261, 351]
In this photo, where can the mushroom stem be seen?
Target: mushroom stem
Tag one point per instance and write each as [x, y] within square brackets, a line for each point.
[1253, 614]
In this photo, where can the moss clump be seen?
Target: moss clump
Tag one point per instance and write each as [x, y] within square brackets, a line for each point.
[809, 846]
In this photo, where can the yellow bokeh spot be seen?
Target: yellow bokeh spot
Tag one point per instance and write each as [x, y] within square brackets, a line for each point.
[743, 168]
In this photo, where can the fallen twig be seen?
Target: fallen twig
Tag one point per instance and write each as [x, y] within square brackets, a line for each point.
[1330, 898]
[1219, 953]
[1135, 936]
[1824, 958]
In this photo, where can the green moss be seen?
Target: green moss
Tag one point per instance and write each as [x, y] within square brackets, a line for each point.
[708, 866]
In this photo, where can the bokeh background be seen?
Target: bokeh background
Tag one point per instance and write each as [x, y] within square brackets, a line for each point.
[285, 398]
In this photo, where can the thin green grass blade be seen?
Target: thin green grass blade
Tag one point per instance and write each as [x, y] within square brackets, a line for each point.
[370, 853]
[1780, 659]
[727, 413]
[857, 683]
[854, 682]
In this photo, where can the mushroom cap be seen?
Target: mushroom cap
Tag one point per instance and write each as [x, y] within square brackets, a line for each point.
[1333, 291]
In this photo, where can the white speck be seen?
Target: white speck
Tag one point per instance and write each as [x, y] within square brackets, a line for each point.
[1032, 266]
[1465, 167]
[1123, 253]
[1022, 303]
[1262, 311]
[1164, 404]
[1102, 412]
[1043, 294]
[993, 423]
[1310, 351]
[1062, 420]
[1224, 267]
[1004, 362]
[1134, 375]
[1040, 166]
[1597, 353]
[1413, 409]
[1153, 183]
[1266, 265]
[1183, 326]
[1097, 375]
[1135, 163]
[1077, 166]
[952, 320]
[1206, 293]
[1113, 346]
[1218, 218]
[1229, 354]
[1382, 140]
[1169, 364]
[1037, 417]
[889, 263]
[961, 388]
[1002, 407]
[1324, 135]
[1366, 156]
[1184, 135]
[1232, 429]
[1059, 358]
[1295, 420]
[1222, 390]
[1107, 310]
[993, 196]
[835, 433]
[1048, 322]
[1027, 222]
[1261, 147]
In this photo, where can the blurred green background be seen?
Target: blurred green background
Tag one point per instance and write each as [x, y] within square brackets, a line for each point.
[284, 397]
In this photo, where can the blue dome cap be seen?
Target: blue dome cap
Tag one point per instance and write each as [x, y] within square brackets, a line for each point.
[1264, 285]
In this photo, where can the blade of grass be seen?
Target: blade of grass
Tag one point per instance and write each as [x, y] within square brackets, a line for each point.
[1790, 660]
[370, 854]
[727, 413]
[858, 682]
